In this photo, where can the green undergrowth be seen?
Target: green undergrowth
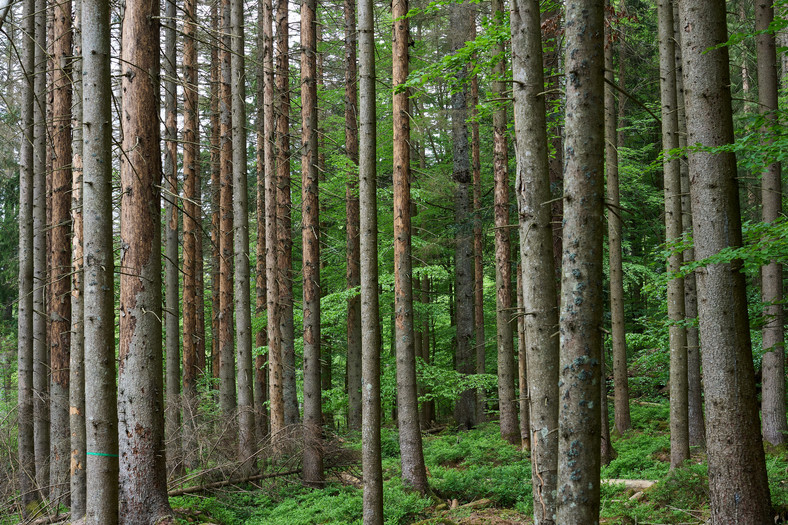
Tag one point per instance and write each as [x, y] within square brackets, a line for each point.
[478, 464]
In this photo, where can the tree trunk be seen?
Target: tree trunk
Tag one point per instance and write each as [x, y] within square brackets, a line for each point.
[536, 253]
[40, 351]
[427, 408]
[414, 475]
[172, 418]
[143, 481]
[310, 236]
[697, 428]
[271, 226]
[507, 404]
[737, 475]
[77, 363]
[581, 282]
[679, 426]
[368, 242]
[192, 230]
[215, 195]
[614, 227]
[461, 21]
[284, 222]
[478, 251]
[247, 443]
[352, 211]
[101, 409]
[25, 311]
[522, 368]
[775, 426]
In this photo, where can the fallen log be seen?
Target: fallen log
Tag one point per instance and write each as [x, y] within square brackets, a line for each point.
[226, 482]
[630, 484]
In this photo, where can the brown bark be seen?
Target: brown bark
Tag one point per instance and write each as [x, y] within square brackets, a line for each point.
[143, 482]
[737, 475]
[414, 475]
[215, 196]
[478, 251]
[522, 369]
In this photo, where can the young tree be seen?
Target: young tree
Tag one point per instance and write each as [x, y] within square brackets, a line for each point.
[352, 211]
[371, 459]
[143, 481]
[461, 21]
[775, 426]
[507, 404]
[247, 444]
[737, 474]
[536, 252]
[581, 275]
[171, 275]
[679, 428]
[414, 474]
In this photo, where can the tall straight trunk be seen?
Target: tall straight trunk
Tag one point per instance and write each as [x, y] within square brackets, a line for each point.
[679, 426]
[697, 427]
[536, 253]
[310, 236]
[271, 225]
[427, 408]
[101, 409]
[171, 270]
[478, 251]
[737, 474]
[522, 368]
[465, 407]
[581, 281]
[775, 426]
[414, 474]
[143, 481]
[353, 275]
[510, 429]
[77, 356]
[261, 288]
[552, 33]
[25, 312]
[192, 228]
[40, 351]
[215, 195]
[243, 307]
[227, 399]
[614, 226]
[284, 222]
[371, 459]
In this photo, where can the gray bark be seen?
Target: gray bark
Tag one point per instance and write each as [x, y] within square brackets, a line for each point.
[581, 282]
[737, 474]
[536, 252]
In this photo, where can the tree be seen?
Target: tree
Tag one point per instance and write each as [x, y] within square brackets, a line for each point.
[371, 457]
[143, 482]
[172, 277]
[581, 274]
[465, 408]
[775, 426]
[536, 253]
[414, 474]
[510, 430]
[310, 235]
[26, 447]
[353, 275]
[679, 425]
[737, 475]
[243, 309]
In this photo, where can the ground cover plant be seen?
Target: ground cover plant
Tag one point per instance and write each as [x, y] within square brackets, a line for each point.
[478, 478]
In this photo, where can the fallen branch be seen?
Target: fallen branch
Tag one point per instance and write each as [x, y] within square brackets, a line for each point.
[54, 518]
[226, 482]
[630, 484]
[479, 503]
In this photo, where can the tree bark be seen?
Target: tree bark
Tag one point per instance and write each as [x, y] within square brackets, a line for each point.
[414, 475]
[352, 211]
[143, 482]
[310, 236]
[581, 282]
[368, 242]
[773, 408]
[737, 474]
[215, 195]
[536, 253]
[478, 252]
[522, 368]
[172, 418]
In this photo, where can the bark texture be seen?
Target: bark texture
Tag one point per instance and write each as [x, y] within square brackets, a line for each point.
[737, 476]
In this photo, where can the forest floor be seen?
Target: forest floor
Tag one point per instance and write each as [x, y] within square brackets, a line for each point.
[477, 478]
